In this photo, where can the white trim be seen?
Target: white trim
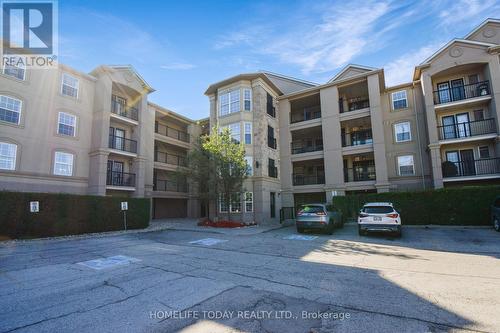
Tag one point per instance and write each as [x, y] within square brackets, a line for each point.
[412, 165]
[19, 112]
[15, 77]
[455, 40]
[396, 133]
[71, 165]
[248, 201]
[10, 144]
[400, 99]
[77, 87]
[74, 125]
[349, 66]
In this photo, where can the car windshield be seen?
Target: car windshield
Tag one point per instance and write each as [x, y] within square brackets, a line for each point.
[378, 209]
[310, 209]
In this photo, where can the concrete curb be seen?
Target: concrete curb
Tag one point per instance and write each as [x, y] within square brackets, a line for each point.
[436, 226]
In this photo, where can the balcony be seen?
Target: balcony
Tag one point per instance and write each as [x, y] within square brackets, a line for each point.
[357, 138]
[306, 146]
[308, 113]
[359, 174]
[470, 168]
[172, 132]
[354, 103]
[122, 144]
[119, 108]
[117, 178]
[168, 158]
[301, 179]
[461, 92]
[467, 129]
[165, 185]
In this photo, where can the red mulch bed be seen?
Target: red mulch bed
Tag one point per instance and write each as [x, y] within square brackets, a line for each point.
[222, 224]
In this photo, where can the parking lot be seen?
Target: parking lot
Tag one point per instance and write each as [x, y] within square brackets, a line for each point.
[435, 279]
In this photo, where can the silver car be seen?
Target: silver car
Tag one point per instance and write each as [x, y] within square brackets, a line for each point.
[318, 216]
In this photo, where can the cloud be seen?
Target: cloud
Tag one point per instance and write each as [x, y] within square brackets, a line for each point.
[178, 66]
[468, 10]
[401, 69]
[324, 37]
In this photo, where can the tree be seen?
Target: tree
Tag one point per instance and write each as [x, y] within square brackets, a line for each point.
[228, 159]
[218, 167]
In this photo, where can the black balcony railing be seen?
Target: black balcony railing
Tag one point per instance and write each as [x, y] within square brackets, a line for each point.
[121, 109]
[466, 168]
[353, 104]
[466, 129]
[301, 179]
[167, 158]
[308, 113]
[171, 132]
[120, 143]
[359, 174]
[117, 178]
[300, 147]
[458, 93]
[165, 185]
[271, 142]
[357, 138]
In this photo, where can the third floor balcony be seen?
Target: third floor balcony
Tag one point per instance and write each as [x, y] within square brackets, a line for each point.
[172, 132]
[120, 143]
[119, 107]
[453, 129]
[455, 90]
[357, 138]
[169, 158]
[305, 109]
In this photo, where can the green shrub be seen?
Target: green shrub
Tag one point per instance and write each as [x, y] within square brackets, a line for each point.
[450, 206]
[66, 214]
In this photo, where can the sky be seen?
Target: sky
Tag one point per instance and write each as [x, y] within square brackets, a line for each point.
[181, 47]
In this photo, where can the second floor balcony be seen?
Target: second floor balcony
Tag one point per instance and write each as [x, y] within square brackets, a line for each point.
[305, 179]
[471, 167]
[118, 178]
[308, 113]
[466, 129]
[122, 144]
[360, 173]
[353, 104]
[357, 138]
[447, 93]
[306, 146]
[165, 185]
[172, 132]
[168, 158]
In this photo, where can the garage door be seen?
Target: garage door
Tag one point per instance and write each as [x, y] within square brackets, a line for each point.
[165, 208]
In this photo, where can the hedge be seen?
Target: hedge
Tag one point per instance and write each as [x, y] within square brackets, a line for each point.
[450, 206]
[66, 214]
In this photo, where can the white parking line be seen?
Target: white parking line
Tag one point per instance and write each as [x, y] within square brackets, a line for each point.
[108, 262]
[208, 241]
[300, 237]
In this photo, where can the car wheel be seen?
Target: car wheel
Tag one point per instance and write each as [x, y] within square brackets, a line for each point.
[360, 231]
[496, 224]
[300, 230]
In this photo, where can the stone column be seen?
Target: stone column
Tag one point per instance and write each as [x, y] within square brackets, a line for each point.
[144, 135]
[332, 143]
[285, 139]
[377, 122]
[430, 115]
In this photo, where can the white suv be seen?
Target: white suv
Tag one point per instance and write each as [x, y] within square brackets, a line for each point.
[379, 216]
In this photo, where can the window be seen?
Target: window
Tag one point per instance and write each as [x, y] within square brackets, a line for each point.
[222, 204]
[484, 152]
[248, 99]
[229, 102]
[248, 202]
[399, 100]
[271, 140]
[13, 69]
[8, 152]
[249, 160]
[63, 164]
[474, 78]
[235, 205]
[478, 115]
[248, 133]
[270, 107]
[272, 169]
[405, 165]
[402, 131]
[69, 86]
[235, 132]
[67, 124]
[10, 109]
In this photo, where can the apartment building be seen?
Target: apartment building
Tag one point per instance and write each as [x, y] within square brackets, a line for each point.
[62, 130]
[355, 134]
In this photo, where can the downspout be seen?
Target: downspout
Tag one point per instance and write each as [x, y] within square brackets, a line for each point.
[418, 136]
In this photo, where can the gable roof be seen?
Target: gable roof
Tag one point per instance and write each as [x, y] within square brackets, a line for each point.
[131, 69]
[288, 84]
[346, 69]
[452, 42]
[479, 27]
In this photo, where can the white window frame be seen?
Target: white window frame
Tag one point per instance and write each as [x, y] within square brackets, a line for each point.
[73, 125]
[69, 165]
[398, 96]
[224, 102]
[232, 133]
[235, 205]
[11, 108]
[221, 201]
[248, 131]
[248, 197]
[249, 161]
[412, 164]
[76, 87]
[396, 131]
[230, 100]
[19, 66]
[6, 158]
[247, 98]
